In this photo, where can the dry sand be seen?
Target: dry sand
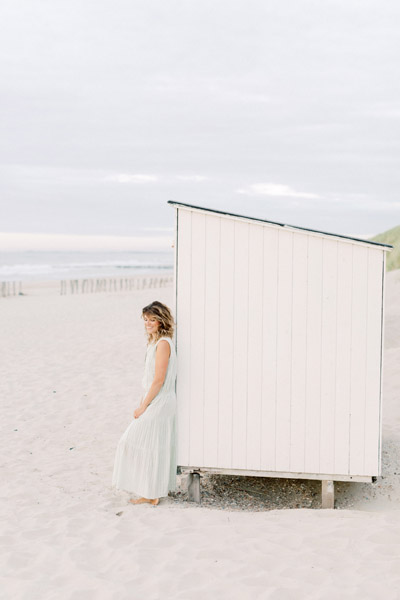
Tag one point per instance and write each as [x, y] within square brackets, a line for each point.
[70, 379]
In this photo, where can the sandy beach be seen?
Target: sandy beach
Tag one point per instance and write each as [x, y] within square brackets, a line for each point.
[70, 380]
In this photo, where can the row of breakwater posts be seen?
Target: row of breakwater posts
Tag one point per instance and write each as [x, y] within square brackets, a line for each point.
[127, 284]
[93, 286]
[11, 288]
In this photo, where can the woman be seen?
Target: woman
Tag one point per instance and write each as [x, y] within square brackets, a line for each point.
[145, 461]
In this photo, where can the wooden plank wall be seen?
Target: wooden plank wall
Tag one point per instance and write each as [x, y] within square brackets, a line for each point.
[279, 348]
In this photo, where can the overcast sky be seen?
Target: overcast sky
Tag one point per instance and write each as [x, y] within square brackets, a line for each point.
[288, 110]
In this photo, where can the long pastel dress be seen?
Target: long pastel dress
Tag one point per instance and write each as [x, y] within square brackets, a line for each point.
[145, 460]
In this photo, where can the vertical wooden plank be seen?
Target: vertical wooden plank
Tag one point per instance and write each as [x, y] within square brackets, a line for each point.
[328, 355]
[299, 347]
[240, 324]
[254, 352]
[313, 365]
[358, 359]
[373, 367]
[284, 350]
[226, 269]
[269, 359]
[175, 277]
[211, 337]
[197, 340]
[183, 332]
[382, 358]
[343, 357]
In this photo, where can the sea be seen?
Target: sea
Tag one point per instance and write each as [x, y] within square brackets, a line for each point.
[47, 265]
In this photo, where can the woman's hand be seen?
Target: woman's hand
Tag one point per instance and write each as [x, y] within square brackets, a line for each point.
[139, 411]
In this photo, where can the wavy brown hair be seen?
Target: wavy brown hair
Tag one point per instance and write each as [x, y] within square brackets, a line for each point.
[163, 314]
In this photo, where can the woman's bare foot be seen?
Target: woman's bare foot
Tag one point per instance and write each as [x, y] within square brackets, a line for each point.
[154, 501]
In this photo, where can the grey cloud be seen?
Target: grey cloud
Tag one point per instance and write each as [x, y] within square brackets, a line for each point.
[299, 93]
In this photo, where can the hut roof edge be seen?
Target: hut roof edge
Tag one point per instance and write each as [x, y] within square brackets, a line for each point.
[260, 220]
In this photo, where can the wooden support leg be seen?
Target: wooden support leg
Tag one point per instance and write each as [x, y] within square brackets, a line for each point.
[194, 487]
[328, 494]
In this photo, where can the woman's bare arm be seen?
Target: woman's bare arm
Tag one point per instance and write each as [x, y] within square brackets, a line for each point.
[163, 352]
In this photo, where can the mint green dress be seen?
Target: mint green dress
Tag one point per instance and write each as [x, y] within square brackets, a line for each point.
[145, 459]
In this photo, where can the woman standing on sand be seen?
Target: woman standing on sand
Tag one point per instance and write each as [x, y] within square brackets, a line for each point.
[145, 460]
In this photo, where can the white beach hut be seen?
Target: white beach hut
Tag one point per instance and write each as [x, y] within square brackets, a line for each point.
[279, 338]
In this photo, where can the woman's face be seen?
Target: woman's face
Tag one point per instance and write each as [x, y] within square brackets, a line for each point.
[151, 324]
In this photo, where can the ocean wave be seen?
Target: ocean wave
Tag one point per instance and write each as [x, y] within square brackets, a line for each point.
[7, 270]
[57, 267]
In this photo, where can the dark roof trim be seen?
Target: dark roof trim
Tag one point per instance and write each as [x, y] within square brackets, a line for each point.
[221, 212]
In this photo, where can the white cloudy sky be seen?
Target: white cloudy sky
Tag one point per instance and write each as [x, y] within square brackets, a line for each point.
[288, 110]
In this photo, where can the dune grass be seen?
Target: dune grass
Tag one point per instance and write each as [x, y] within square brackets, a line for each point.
[392, 237]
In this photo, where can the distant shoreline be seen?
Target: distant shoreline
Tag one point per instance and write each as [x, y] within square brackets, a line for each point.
[57, 265]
